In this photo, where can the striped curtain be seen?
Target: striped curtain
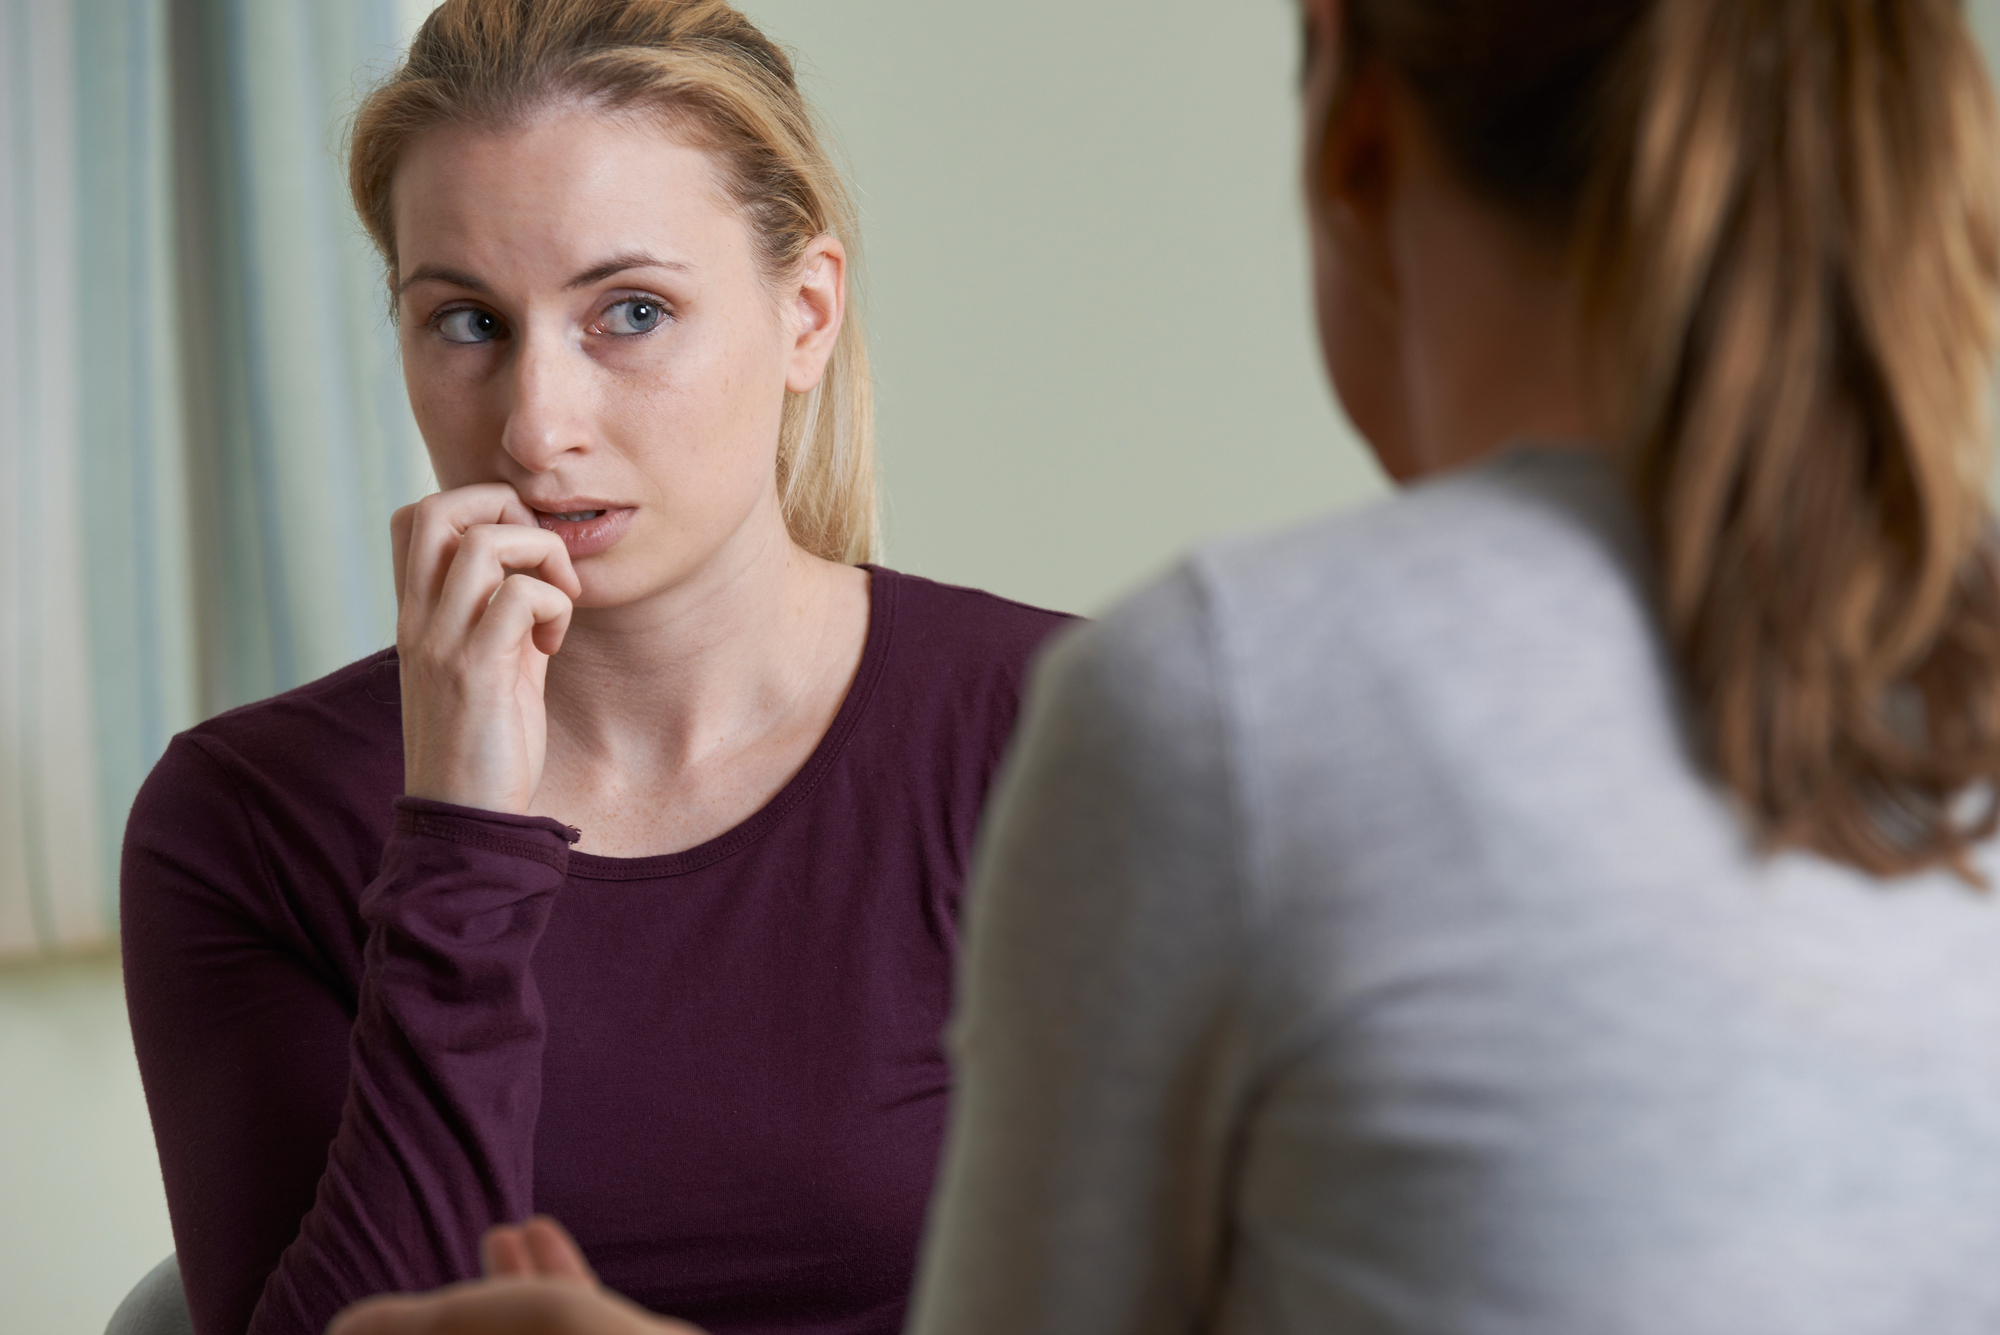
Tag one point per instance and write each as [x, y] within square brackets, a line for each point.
[202, 425]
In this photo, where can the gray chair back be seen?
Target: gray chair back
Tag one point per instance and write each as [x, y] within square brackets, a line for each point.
[157, 1305]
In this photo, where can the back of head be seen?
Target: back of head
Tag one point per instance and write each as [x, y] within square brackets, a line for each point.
[1786, 217]
[719, 83]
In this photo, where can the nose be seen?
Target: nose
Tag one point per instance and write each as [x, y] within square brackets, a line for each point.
[546, 418]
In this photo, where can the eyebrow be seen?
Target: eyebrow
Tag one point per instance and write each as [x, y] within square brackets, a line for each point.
[618, 264]
[596, 273]
[438, 273]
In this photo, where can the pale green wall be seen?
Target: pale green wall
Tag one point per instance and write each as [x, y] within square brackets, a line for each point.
[82, 1213]
[1086, 279]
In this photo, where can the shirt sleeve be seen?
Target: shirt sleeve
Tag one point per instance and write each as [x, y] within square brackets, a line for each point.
[1098, 1047]
[283, 1211]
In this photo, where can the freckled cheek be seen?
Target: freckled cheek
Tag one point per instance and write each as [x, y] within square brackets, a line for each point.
[669, 433]
[700, 426]
[457, 424]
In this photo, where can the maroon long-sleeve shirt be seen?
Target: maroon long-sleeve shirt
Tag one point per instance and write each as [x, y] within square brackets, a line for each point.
[370, 1026]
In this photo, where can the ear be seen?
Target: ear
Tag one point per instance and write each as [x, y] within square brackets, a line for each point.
[1351, 177]
[1321, 63]
[818, 299]
[1353, 170]
[1349, 140]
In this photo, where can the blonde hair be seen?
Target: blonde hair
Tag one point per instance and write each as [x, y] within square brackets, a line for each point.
[731, 91]
[1787, 217]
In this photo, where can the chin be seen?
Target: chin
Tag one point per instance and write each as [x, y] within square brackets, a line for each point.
[612, 579]
[612, 587]
[632, 574]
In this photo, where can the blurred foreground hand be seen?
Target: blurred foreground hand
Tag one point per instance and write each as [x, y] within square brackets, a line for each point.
[537, 1283]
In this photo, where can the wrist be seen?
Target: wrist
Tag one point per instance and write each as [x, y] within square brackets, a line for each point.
[461, 822]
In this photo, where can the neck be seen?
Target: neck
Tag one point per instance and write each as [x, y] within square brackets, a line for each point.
[1492, 341]
[660, 684]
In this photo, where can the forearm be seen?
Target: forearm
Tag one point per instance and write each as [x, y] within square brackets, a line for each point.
[436, 1136]
[341, 1105]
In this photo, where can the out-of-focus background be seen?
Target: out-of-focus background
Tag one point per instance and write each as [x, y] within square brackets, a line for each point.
[1085, 286]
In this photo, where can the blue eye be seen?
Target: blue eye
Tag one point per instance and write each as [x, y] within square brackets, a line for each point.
[469, 325]
[634, 315]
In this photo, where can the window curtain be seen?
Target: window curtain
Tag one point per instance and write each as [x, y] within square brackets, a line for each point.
[202, 423]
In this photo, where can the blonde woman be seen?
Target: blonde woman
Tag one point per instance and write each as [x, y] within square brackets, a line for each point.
[626, 885]
[1557, 901]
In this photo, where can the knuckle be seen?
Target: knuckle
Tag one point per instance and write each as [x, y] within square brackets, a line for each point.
[509, 596]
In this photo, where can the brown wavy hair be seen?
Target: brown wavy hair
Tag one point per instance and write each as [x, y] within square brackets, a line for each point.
[1786, 217]
[718, 81]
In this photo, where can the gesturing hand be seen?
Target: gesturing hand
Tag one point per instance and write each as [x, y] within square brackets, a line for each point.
[537, 1284]
[510, 1306]
[483, 598]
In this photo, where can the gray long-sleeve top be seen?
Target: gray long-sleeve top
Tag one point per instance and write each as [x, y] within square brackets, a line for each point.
[1356, 947]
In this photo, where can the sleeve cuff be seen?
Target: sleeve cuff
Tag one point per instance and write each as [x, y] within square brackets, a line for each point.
[538, 837]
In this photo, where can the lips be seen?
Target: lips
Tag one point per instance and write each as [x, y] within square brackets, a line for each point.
[586, 528]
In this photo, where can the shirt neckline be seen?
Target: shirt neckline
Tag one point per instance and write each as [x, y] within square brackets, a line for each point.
[882, 589]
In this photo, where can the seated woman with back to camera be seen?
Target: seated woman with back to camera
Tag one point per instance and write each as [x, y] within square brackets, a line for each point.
[626, 886]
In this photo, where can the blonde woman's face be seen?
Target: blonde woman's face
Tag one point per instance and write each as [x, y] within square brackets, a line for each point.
[583, 317]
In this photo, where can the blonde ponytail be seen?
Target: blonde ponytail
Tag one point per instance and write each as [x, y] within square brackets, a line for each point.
[1795, 258]
[1787, 217]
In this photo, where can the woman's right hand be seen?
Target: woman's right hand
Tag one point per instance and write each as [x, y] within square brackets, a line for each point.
[483, 599]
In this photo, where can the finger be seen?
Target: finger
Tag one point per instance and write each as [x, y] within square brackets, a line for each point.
[554, 1251]
[504, 1251]
[401, 524]
[439, 523]
[522, 606]
[486, 556]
